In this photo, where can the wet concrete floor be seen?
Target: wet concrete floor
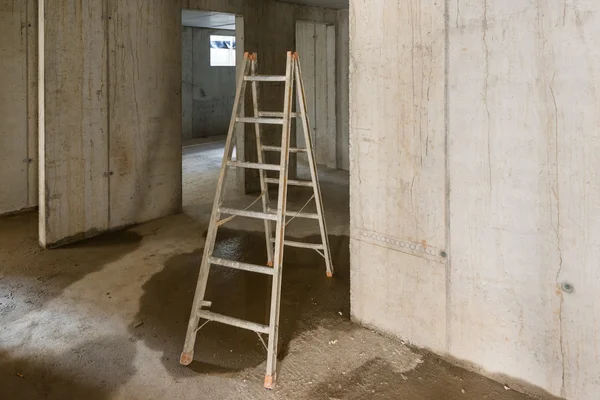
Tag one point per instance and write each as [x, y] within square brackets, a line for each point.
[324, 355]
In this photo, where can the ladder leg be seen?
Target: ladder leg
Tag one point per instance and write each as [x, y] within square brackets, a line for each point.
[187, 355]
[271, 373]
[312, 165]
[261, 155]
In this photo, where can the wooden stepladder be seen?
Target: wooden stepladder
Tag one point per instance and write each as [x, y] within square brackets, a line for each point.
[275, 242]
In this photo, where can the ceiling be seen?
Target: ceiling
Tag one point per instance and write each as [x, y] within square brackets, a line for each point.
[321, 3]
[215, 20]
[207, 19]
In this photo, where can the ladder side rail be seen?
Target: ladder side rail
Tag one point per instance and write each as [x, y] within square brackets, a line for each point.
[271, 373]
[187, 355]
[312, 165]
[261, 156]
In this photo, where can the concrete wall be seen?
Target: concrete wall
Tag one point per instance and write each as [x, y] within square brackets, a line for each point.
[270, 31]
[187, 83]
[316, 44]
[475, 193]
[145, 110]
[208, 92]
[18, 105]
[74, 165]
[111, 128]
[111, 93]
[330, 130]
[342, 102]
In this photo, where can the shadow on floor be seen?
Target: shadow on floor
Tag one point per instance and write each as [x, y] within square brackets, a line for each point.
[92, 371]
[434, 378]
[37, 275]
[30, 278]
[309, 299]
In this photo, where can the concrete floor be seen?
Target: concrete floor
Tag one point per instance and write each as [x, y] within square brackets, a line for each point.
[106, 318]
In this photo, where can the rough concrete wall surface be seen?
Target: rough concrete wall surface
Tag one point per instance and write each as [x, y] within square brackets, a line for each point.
[75, 184]
[18, 131]
[517, 294]
[213, 87]
[342, 76]
[145, 116]
[187, 83]
[532, 180]
[397, 174]
[207, 92]
[315, 43]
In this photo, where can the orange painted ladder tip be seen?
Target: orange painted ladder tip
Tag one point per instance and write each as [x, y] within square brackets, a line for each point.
[270, 381]
[186, 359]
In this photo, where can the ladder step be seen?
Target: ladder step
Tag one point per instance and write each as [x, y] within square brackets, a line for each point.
[249, 214]
[240, 323]
[278, 148]
[252, 120]
[296, 214]
[277, 114]
[291, 182]
[240, 164]
[291, 243]
[265, 78]
[261, 269]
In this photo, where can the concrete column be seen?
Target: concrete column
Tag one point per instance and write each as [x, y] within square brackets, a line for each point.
[397, 169]
[74, 128]
[474, 190]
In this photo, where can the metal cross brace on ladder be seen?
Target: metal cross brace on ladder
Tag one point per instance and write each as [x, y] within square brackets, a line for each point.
[274, 243]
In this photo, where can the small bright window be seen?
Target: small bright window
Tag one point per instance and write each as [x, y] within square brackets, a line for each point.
[222, 51]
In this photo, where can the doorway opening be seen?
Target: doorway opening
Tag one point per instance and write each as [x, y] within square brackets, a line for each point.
[212, 44]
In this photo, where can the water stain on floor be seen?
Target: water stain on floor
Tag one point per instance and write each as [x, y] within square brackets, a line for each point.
[309, 299]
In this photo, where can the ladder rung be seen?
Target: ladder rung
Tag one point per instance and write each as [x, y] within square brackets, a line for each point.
[278, 148]
[252, 120]
[276, 114]
[265, 78]
[240, 323]
[291, 182]
[246, 213]
[268, 167]
[241, 266]
[296, 214]
[291, 243]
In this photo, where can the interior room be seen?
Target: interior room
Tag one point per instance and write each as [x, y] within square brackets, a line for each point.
[299, 199]
[208, 64]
